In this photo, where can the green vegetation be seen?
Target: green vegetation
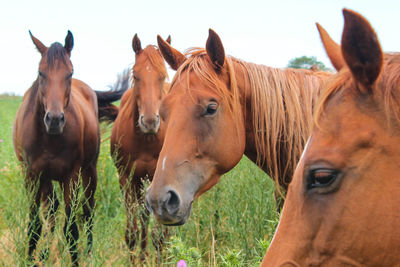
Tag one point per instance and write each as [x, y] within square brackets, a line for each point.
[231, 225]
[305, 62]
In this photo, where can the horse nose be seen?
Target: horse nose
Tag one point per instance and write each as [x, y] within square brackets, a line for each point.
[171, 202]
[150, 123]
[167, 205]
[54, 120]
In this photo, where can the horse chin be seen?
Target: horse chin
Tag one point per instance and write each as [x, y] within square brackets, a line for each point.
[54, 130]
[177, 220]
[148, 131]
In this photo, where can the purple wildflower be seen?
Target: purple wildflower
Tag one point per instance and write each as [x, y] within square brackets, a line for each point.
[181, 263]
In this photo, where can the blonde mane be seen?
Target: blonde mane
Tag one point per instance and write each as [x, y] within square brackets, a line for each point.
[281, 101]
[387, 88]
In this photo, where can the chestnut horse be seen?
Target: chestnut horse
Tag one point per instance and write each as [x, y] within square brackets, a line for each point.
[343, 206]
[220, 108]
[56, 137]
[137, 137]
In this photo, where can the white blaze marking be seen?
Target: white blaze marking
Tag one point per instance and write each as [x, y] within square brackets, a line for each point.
[302, 155]
[163, 162]
[305, 147]
[148, 69]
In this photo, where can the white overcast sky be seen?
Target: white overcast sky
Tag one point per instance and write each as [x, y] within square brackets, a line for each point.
[261, 31]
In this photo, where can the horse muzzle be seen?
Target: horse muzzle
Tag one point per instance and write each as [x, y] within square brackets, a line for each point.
[54, 122]
[168, 207]
[149, 125]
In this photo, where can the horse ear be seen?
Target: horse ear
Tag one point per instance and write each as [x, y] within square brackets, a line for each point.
[173, 57]
[331, 48]
[39, 45]
[215, 50]
[168, 39]
[136, 45]
[361, 49]
[69, 42]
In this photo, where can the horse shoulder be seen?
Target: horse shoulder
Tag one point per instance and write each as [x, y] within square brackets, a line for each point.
[85, 91]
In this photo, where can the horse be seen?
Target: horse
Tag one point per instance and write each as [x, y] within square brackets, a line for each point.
[342, 206]
[219, 108]
[56, 137]
[137, 137]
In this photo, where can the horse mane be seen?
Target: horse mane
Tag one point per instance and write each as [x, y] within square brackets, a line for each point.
[387, 87]
[56, 52]
[282, 103]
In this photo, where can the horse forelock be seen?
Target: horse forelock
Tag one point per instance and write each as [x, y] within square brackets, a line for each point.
[386, 89]
[156, 59]
[197, 62]
[56, 53]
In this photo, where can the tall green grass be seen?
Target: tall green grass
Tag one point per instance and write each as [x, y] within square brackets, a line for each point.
[230, 225]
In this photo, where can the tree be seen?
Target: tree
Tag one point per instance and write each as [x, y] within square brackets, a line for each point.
[305, 62]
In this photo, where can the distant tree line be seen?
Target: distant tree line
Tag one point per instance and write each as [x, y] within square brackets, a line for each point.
[305, 62]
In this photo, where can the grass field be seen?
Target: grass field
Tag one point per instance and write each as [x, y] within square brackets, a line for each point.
[231, 225]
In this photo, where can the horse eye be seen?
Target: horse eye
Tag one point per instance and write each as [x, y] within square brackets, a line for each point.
[136, 78]
[42, 75]
[320, 178]
[211, 109]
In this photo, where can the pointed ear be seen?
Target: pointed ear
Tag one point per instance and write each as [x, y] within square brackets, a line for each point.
[361, 49]
[168, 39]
[173, 57]
[136, 45]
[39, 45]
[215, 50]
[332, 48]
[69, 42]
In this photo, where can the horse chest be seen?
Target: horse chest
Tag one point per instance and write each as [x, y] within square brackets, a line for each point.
[55, 160]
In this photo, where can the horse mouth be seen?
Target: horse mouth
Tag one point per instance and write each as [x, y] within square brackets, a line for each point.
[54, 130]
[147, 130]
[174, 220]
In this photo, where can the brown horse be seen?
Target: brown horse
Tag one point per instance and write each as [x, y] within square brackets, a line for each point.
[56, 137]
[137, 137]
[343, 206]
[220, 108]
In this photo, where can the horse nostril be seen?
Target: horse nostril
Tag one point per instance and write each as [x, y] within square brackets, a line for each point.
[147, 203]
[172, 202]
[47, 118]
[62, 118]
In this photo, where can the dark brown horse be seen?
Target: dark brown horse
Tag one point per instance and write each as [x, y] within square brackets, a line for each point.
[137, 137]
[56, 137]
[220, 108]
[343, 205]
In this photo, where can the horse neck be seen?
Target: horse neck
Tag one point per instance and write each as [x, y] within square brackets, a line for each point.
[35, 102]
[278, 114]
[134, 109]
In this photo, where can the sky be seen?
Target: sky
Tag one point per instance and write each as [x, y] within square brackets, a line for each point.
[260, 31]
